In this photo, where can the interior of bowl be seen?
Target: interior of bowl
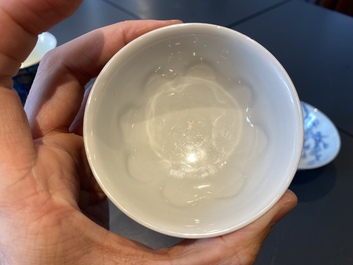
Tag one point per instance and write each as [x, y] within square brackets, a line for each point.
[205, 94]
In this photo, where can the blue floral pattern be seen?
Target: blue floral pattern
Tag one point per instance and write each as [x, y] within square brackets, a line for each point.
[314, 140]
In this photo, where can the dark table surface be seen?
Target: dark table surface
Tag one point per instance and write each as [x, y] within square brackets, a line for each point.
[315, 46]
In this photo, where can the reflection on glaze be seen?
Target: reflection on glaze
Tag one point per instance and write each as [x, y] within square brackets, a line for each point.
[191, 123]
[185, 138]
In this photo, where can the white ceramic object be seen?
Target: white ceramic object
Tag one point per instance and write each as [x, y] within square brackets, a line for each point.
[46, 42]
[321, 139]
[193, 130]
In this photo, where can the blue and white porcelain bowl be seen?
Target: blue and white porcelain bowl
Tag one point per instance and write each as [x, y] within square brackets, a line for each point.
[321, 139]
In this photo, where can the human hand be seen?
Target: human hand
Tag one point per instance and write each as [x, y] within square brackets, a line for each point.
[51, 209]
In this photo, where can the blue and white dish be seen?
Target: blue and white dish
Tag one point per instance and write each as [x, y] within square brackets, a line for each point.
[321, 139]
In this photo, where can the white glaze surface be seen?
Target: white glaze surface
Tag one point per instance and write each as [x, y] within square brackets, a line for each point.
[46, 42]
[253, 126]
[185, 136]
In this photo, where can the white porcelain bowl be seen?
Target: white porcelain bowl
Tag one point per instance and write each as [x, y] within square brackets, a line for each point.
[193, 130]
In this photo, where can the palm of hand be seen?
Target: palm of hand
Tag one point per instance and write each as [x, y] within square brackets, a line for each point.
[48, 210]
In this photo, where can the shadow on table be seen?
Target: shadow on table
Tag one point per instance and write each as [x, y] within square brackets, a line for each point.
[311, 185]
